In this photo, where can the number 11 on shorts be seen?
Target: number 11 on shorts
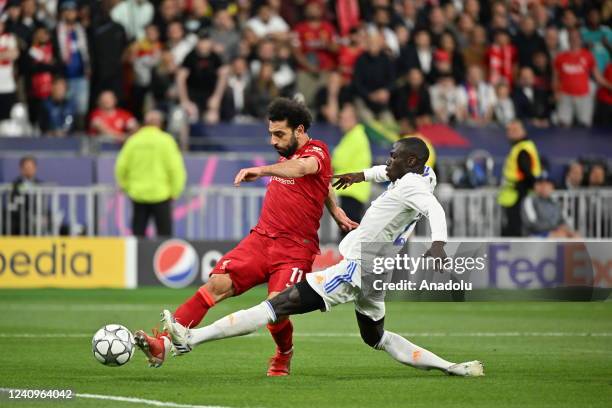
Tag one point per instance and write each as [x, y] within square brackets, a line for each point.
[296, 275]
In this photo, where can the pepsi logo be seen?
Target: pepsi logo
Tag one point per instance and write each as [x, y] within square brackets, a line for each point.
[175, 263]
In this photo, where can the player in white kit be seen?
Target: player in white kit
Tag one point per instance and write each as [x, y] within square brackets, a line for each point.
[390, 219]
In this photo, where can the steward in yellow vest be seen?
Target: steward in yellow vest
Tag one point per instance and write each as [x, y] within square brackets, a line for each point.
[521, 167]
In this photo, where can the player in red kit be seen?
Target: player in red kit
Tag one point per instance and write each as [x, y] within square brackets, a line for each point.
[282, 246]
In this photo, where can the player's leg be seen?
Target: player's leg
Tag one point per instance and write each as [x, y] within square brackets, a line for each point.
[320, 291]
[297, 299]
[238, 271]
[288, 265]
[371, 321]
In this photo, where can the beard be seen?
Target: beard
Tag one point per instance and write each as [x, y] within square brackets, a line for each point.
[291, 148]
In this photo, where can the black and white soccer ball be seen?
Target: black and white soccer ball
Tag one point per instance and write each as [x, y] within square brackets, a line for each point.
[113, 345]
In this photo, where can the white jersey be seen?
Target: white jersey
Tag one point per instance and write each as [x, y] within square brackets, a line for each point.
[394, 214]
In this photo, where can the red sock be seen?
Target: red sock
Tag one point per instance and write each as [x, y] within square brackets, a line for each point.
[283, 335]
[191, 313]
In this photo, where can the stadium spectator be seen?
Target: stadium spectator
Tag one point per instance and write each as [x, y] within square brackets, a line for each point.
[504, 111]
[476, 50]
[452, 56]
[225, 36]
[237, 84]
[145, 55]
[541, 17]
[501, 58]
[198, 17]
[542, 71]
[530, 103]
[150, 170]
[41, 66]
[437, 24]
[597, 176]
[479, 97]
[72, 45]
[28, 22]
[109, 121]
[574, 176]
[419, 55]
[603, 110]
[179, 44]
[381, 22]
[573, 69]
[9, 52]
[551, 39]
[268, 24]
[447, 100]
[521, 167]
[463, 32]
[597, 37]
[315, 51]
[541, 215]
[528, 41]
[57, 113]
[107, 45]
[167, 13]
[243, 13]
[22, 206]
[412, 101]
[285, 75]
[352, 153]
[134, 16]
[201, 81]
[408, 13]
[163, 83]
[569, 22]
[373, 79]
[260, 92]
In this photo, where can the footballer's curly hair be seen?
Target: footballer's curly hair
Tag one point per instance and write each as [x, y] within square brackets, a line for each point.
[294, 112]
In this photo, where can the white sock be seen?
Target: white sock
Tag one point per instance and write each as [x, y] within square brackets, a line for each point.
[410, 354]
[236, 324]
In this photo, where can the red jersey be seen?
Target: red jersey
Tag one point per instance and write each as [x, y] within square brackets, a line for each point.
[604, 94]
[119, 120]
[501, 59]
[314, 41]
[573, 70]
[347, 56]
[293, 207]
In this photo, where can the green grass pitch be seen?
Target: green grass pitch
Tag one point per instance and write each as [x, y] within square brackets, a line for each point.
[536, 354]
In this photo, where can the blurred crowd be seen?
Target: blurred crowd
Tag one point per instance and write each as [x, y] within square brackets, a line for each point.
[97, 65]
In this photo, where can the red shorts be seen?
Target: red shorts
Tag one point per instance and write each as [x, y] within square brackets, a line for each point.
[259, 258]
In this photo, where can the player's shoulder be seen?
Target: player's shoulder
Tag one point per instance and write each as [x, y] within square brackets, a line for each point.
[425, 181]
[316, 147]
[318, 143]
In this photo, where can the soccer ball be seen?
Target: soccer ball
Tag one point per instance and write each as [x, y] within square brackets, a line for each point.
[113, 345]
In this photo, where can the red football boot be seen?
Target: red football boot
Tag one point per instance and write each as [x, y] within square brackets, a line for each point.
[280, 364]
[155, 347]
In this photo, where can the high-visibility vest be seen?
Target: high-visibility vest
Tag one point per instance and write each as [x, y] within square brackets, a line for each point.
[508, 195]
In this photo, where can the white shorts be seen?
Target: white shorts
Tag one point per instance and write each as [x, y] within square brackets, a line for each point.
[340, 284]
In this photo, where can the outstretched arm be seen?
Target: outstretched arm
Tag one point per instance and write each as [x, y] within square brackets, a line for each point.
[377, 174]
[286, 169]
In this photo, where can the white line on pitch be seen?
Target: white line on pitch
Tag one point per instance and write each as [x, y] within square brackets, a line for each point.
[323, 334]
[154, 403]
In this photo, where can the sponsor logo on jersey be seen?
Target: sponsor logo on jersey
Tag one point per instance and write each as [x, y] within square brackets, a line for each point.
[175, 263]
[286, 181]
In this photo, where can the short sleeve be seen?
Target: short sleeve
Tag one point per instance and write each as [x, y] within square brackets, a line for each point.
[319, 154]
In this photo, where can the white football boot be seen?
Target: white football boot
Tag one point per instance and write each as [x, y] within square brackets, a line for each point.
[468, 369]
[179, 334]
